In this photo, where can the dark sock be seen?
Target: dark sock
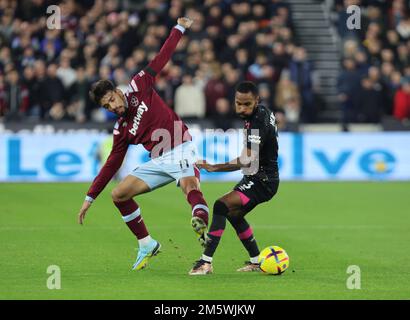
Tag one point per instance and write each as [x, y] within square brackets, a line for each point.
[131, 215]
[217, 227]
[245, 234]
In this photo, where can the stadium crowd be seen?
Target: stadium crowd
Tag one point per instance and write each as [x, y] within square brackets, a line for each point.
[375, 76]
[46, 73]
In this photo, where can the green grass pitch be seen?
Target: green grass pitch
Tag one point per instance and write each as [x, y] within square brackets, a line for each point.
[324, 227]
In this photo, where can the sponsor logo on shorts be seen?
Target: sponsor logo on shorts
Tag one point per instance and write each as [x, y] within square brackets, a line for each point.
[246, 186]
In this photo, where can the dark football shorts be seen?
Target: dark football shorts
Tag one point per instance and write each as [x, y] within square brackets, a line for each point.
[254, 190]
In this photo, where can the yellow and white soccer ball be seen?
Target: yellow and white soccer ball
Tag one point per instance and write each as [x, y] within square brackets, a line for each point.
[273, 260]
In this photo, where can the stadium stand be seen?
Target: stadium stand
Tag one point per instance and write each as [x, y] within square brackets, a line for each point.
[308, 66]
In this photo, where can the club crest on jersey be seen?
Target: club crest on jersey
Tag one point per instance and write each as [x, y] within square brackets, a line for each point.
[134, 101]
[138, 117]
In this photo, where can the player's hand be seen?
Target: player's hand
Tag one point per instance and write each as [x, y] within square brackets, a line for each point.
[202, 164]
[83, 211]
[185, 22]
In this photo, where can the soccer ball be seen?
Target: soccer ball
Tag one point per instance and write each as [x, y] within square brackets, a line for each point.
[273, 260]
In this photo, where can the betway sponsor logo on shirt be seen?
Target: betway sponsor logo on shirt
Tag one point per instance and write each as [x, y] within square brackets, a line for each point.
[254, 139]
[138, 117]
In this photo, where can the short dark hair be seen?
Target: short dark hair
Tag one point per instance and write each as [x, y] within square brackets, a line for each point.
[247, 86]
[99, 89]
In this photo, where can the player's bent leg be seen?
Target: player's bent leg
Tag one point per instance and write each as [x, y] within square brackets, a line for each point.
[129, 187]
[245, 235]
[245, 232]
[131, 214]
[200, 211]
[217, 228]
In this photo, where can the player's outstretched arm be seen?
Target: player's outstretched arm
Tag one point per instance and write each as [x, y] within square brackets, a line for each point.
[244, 161]
[185, 22]
[232, 165]
[161, 59]
[111, 166]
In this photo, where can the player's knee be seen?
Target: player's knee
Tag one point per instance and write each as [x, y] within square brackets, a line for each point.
[220, 208]
[190, 187]
[189, 184]
[117, 195]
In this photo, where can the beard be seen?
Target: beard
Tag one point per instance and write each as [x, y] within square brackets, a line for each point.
[123, 113]
[243, 116]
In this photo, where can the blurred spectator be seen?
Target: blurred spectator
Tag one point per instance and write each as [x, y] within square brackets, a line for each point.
[30, 83]
[348, 86]
[343, 15]
[402, 101]
[231, 78]
[280, 59]
[189, 99]
[281, 121]
[3, 107]
[214, 89]
[16, 96]
[397, 13]
[301, 75]
[121, 79]
[266, 95]
[223, 114]
[288, 98]
[78, 93]
[403, 56]
[53, 94]
[65, 73]
[392, 39]
[370, 103]
[403, 28]
[112, 58]
[362, 65]
[5, 57]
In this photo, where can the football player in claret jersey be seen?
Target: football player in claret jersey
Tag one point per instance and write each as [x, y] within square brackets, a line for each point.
[259, 161]
[145, 119]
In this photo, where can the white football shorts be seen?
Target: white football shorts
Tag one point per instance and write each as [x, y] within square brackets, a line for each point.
[171, 166]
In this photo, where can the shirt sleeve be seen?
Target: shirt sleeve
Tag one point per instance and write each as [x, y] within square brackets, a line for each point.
[144, 80]
[110, 167]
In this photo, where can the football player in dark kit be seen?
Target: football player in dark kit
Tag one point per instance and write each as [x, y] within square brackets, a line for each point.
[145, 119]
[260, 183]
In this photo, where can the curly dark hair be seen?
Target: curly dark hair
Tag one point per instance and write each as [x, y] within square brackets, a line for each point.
[99, 89]
[247, 86]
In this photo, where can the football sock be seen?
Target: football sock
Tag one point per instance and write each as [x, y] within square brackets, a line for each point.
[217, 227]
[132, 217]
[254, 259]
[144, 241]
[245, 234]
[198, 204]
[206, 258]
